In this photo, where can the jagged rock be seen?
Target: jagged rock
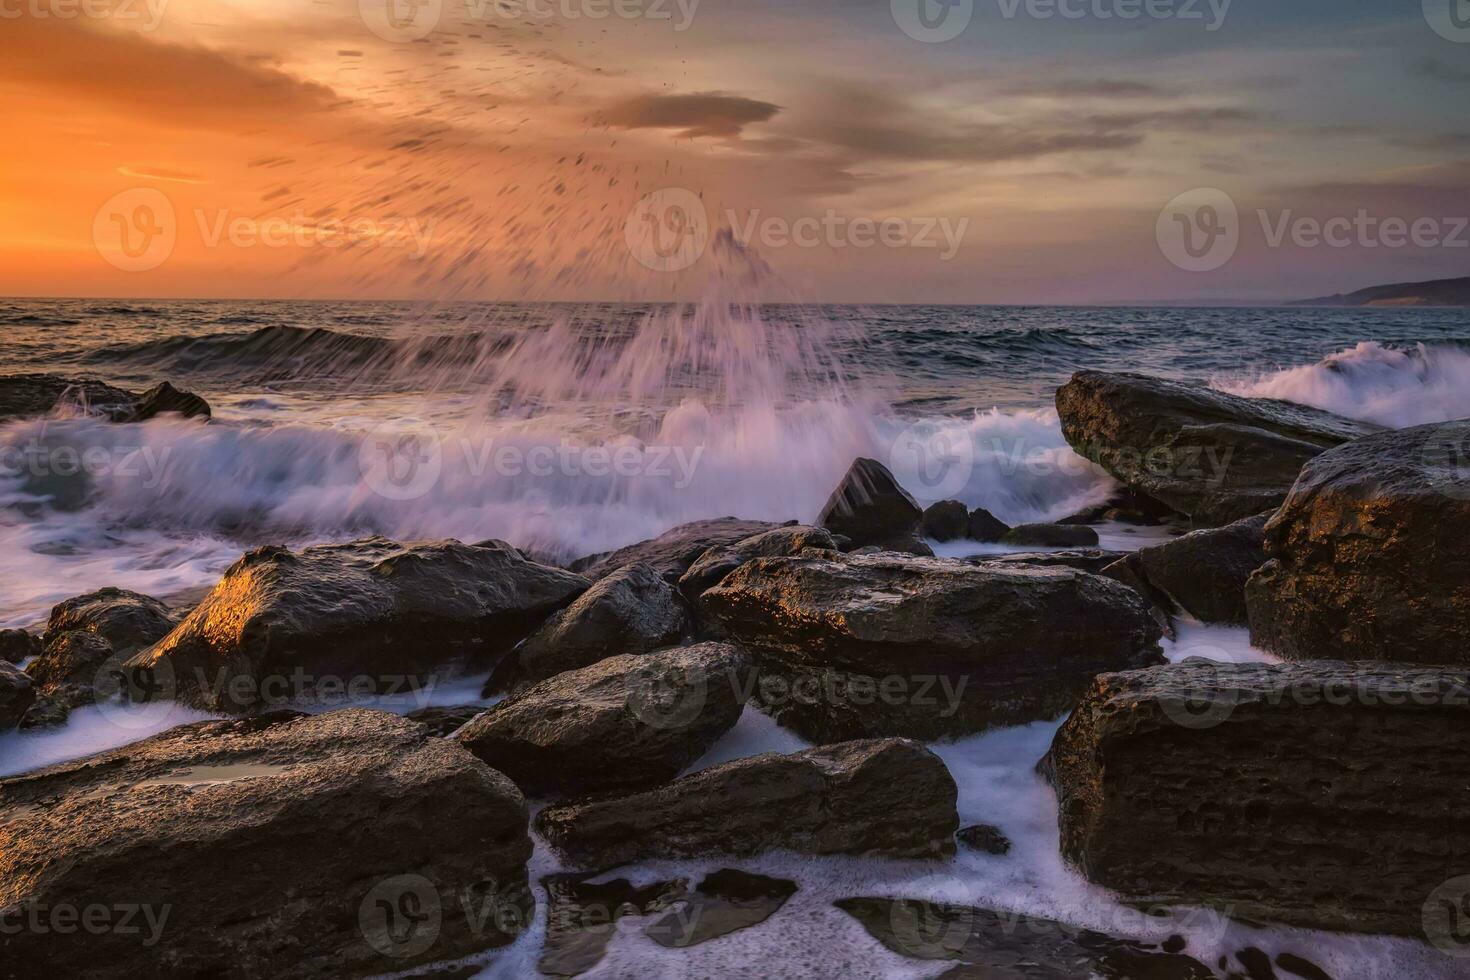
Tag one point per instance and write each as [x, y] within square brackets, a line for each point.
[129, 621]
[344, 843]
[947, 520]
[1204, 572]
[74, 657]
[1261, 789]
[674, 551]
[1370, 555]
[985, 527]
[906, 545]
[367, 615]
[444, 721]
[716, 563]
[52, 709]
[985, 838]
[858, 646]
[1092, 560]
[869, 507]
[631, 610]
[622, 724]
[889, 797]
[726, 901]
[1051, 536]
[164, 398]
[17, 693]
[26, 395]
[1125, 507]
[582, 917]
[17, 646]
[1212, 456]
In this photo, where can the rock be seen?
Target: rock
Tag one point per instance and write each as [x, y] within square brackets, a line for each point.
[1004, 945]
[861, 646]
[53, 708]
[284, 845]
[445, 721]
[631, 610]
[985, 838]
[1125, 507]
[947, 520]
[127, 620]
[905, 545]
[1092, 560]
[869, 506]
[1204, 573]
[985, 528]
[1370, 555]
[718, 562]
[17, 693]
[1051, 536]
[367, 615]
[622, 724]
[673, 552]
[18, 646]
[888, 797]
[1261, 789]
[726, 901]
[75, 657]
[163, 399]
[582, 917]
[27, 395]
[1209, 455]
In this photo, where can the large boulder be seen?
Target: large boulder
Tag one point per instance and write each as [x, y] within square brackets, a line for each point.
[1213, 456]
[1203, 572]
[985, 526]
[370, 615]
[632, 610]
[129, 621]
[29, 395]
[75, 657]
[17, 694]
[622, 724]
[1328, 795]
[1370, 555]
[867, 645]
[18, 646]
[947, 520]
[716, 563]
[889, 797]
[870, 508]
[165, 399]
[346, 843]
[672, 552]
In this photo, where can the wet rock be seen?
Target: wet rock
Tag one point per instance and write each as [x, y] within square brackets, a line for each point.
[716, 563]
[983, 837]
[17, 693]
[947, 520]
[992, 944]
[985, 528]
[632, 610]
[129, 621]
[870, 507]
[673, 552]
[908, 544]
[367, 615]
[1092, 560]
[165, 399]
[1204, 573]
[869, 645]
[1260, 789]
[18, 646]
[75, 657]
[1051, 536]
[445, 721]
[1209, 455]
[1125, 507]
[889, 797]
[1305, 968]
[53, 708]
[344, 843]
[582, 916]
[1370, 555]
[726, 901]
[27, 395]
[622, 724]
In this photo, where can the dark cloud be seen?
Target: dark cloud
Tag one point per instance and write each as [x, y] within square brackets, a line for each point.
[699, 114]
[1089, 88]
[1442, 72]
[1432, 141]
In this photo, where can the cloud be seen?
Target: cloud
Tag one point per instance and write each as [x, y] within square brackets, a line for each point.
[1441, 72]
[1089, 87]
[699, 114]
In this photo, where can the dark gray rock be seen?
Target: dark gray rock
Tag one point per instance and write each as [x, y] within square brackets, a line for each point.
[725, 902]
[1051, 536]
[27, 395]
[716, 563]
[53, 708]
[445, 721]
[909, 544]
[165, 399]
[985, 527]
[582, 917]
[622, 724]
[129, 621]
[1370, 555]
[869, 506]
[1212, 456]
[632, 610]
[1092, 560]
[673, 552]
[889, 797]
[985, 838]
[17, 646]
[1327, 795]
[1204, 572]
[17, 693]
[285, 845]
[858, 646]
[75, 657]
[947, 520]
[282, 625]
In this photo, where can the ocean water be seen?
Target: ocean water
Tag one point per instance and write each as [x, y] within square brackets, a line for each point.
[573, 430]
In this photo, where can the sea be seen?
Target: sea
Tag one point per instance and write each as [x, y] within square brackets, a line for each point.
[573, 429]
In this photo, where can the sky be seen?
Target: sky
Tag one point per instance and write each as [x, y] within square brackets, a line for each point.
[866, 151]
